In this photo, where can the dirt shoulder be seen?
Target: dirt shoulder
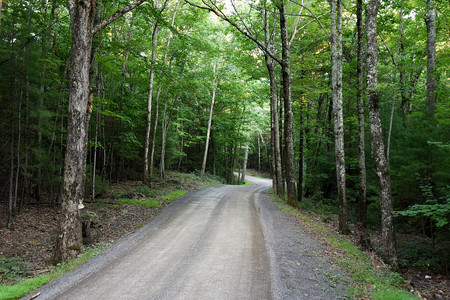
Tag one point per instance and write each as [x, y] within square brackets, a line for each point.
[26, 250]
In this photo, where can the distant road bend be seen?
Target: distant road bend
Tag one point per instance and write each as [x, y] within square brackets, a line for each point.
[221, 242]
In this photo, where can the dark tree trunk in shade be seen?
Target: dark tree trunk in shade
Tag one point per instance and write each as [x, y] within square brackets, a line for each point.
[361, 130]
[286, 89]
[278, 186]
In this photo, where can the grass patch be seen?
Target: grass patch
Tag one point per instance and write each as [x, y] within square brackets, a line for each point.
[22, 288]
[208, 185]
[175, 194]
[367, 280]
[146, 203]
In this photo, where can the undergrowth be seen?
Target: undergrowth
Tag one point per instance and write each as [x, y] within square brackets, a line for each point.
[146, 203]
[15, 271]
[23, 287]
[367, 279]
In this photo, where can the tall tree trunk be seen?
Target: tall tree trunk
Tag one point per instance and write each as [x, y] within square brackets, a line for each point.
[70, 238]
[394, 82]
[259, 153]
[81, 13]
[244, 163]
[266, 149]
[430, 20]
[11, 174]
[149, 101]
[362, 211]
[100, 90]
[19, 137]
[162, 172]
[378, 155]
[277, 183]
[208, 130]
[301, 157]
[155, 129]
[336, 82]
[405, 101]
[288, 140]
[213, 154]
[164, 128]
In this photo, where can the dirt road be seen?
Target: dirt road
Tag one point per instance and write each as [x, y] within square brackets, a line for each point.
[221, 242]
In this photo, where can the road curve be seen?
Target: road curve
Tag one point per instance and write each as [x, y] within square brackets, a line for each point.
[221, 242]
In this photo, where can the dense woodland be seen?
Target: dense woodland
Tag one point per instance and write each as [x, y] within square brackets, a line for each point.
[346, 103]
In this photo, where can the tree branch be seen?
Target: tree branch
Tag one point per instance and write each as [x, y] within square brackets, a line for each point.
[116, 15]
[221, 15]
[317, 19]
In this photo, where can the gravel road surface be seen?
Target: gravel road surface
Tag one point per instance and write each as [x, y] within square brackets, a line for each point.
[221, 242]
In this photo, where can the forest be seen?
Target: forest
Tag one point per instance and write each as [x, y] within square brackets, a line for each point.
[345, 103]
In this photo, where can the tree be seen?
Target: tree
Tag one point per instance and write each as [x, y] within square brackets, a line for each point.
[362, 200]
[277, 177]
[430, 20]
[149, 102]
[336, 71]
[286, 91]
[376, 134]
[286, 81]
[82, 27]
[211, 110]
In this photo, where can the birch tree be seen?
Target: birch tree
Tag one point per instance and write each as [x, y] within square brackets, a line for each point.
[430, 20]
[362, 210]
[381, 165]
[336, 82]
[149, 100]
[211, 109]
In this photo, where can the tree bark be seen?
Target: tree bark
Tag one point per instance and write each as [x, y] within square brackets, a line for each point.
[336, 82]
[164, 128]
[259, 153]
[362, 200]
[430, 20]
[149, 101]
[11, 175]
[394, 82]
[378, 155]
[244, 163]
[164, 125]
[19, 138]
[301, 157]
[277, 177]
[155, 128]
[288, 140]
[208, 130]
[70, 239]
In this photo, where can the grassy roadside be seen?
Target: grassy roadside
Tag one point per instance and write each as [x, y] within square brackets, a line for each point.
[118, 210]
[22, 288]
[370, 278]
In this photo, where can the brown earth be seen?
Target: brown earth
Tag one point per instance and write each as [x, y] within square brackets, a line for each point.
[29, 244]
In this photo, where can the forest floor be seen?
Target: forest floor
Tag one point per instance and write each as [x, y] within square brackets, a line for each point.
[419, 278]
[25, 251]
